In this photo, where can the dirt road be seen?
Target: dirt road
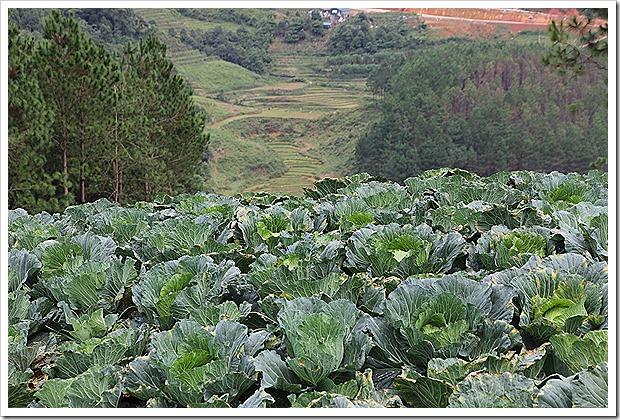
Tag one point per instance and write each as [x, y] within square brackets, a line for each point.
[478, 21]
[462, 19]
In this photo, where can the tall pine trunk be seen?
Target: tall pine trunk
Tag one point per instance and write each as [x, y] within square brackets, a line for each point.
[120, 181]
[82, 174]
[146, 186]
[117, 178]
[82, 142]
[65, 168]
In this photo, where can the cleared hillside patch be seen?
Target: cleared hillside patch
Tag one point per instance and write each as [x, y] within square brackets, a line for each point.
[238, 163]
[217, 75]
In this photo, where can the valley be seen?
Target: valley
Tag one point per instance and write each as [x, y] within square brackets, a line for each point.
[283, 130]
[298, 90]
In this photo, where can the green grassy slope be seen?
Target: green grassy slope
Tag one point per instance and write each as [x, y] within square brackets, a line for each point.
[276, 132]
[213, 76]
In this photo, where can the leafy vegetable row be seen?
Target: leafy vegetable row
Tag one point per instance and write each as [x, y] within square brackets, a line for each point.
[452, 290]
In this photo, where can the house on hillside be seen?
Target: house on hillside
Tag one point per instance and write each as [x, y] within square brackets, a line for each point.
[338, 15]
[333, 16]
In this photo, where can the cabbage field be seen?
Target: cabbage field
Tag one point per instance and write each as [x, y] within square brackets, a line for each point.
[452, 290]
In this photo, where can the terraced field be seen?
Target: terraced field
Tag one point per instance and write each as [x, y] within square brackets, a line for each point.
[185, 57]
[298, 87]
[316, 98]
[170, 18]
[302, 167]
[306, 94]
[271, 113]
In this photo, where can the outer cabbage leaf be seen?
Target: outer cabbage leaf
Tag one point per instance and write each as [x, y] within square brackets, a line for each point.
[317, 347]
[451, 370]
[189, 304]
[21, 264]
[97, 387]
[421, 391]
[581, 353]
[193, 278]
[355, 393]
[307, 279]
[259, 399]
[94, 247]
[119, 276]
[325, 187]
[590, 389]
[482, 390]
[556, 393]
[275, 373]
[122, 224]
[53, 394]
[19, 305]
[176, 237]
[19, 393]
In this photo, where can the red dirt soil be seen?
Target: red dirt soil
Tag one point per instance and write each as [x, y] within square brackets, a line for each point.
[480, 22]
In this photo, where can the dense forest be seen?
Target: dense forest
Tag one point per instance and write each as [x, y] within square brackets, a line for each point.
[485, 107]
[86, 124]
[112, 28]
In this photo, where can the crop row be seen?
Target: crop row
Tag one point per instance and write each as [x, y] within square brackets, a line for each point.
[451, 290]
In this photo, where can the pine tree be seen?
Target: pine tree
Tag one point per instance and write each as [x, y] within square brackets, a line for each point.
[74, 75]
[30, 184]
[579, 42]
[172, 143]
[84, 125]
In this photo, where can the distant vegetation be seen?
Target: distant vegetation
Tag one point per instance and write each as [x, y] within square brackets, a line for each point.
[246, 46]
[364, 63]
[243, 47]
[485, 108]
[363, 34]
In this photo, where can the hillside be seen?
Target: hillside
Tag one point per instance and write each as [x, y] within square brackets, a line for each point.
[273, 132]
[286, 105]
[282, 130]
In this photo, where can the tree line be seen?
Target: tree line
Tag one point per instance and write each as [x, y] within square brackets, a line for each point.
[365, 34]
[243, 47]
[248, 45]
[86, 124]
[484, 107]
